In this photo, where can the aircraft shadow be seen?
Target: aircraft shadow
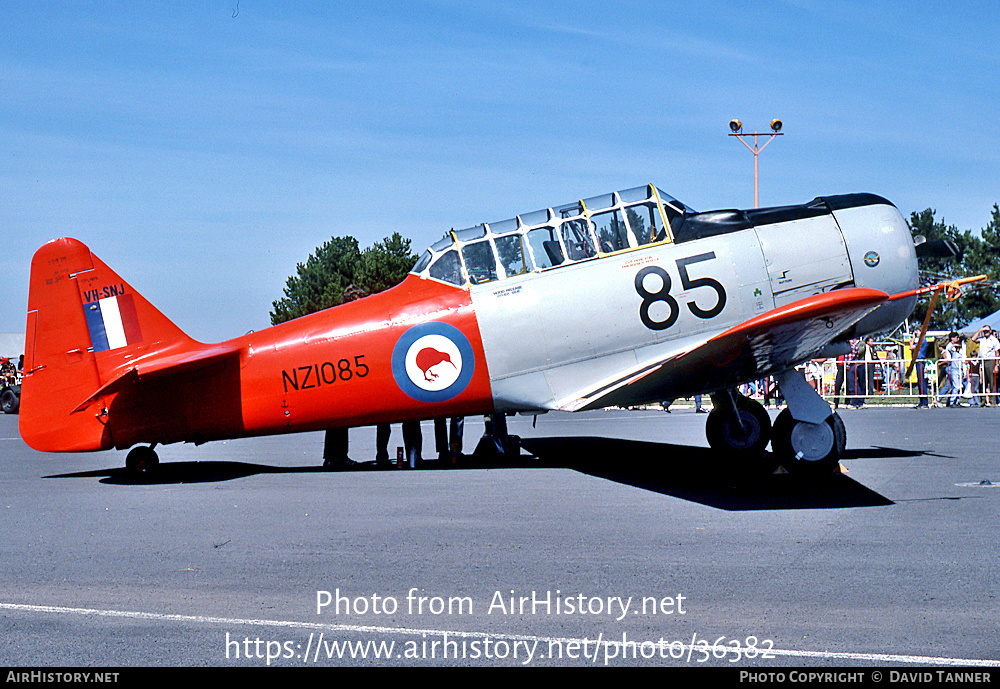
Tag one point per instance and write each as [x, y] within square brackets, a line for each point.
[879, 452]
[686, 472]
[696, 474]
[214, 471]
[187, 472]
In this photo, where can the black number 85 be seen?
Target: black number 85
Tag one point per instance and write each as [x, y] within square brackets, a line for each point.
[663, 294]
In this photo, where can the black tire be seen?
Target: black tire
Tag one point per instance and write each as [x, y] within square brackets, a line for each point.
[744, 433]
[781, 435]
[840, 432]
[141, 461]
[9, 402]
[813, 457]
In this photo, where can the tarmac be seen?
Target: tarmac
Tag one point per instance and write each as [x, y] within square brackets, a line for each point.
[617, 538]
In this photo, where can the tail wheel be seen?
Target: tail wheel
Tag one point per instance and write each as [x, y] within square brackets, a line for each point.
[141, 460]
[808, 448]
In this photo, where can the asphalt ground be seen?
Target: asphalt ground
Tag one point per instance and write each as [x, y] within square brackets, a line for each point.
[621, 541]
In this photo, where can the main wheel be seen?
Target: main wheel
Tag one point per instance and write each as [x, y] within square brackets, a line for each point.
[141, 460]
[808, 448]
[744, 432]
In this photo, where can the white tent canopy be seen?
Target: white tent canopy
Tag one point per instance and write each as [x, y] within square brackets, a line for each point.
[11, 345]
[993, 320]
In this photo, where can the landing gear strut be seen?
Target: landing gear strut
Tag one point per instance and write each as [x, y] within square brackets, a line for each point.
[141, 460]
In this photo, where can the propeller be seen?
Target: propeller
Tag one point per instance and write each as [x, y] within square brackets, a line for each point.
[936, 248]
[952, 290]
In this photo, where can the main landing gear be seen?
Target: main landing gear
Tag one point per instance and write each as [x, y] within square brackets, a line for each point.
[141, 460]
[807, 438]
[740, 428]
[808, 448]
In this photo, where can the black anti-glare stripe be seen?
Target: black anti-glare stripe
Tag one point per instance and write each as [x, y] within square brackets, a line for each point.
[839, 203]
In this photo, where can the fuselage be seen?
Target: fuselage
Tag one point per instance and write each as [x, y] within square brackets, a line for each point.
[522, 315]
[538, 335]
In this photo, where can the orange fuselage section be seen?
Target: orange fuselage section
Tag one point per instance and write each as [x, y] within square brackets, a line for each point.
[390, 357]
[104, 368]
[342, 367]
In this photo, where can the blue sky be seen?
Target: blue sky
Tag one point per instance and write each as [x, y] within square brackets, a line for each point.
[203, 155]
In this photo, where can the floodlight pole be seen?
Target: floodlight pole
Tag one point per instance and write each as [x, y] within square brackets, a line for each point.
[756, 151]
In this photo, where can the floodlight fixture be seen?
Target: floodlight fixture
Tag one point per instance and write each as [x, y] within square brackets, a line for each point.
[737, 130]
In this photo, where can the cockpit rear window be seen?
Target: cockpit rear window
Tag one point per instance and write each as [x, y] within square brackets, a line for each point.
[553, 237]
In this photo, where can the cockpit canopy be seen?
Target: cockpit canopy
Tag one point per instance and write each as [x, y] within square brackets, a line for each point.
[553, 237]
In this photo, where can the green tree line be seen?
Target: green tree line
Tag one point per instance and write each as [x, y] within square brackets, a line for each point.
[980, 255]
[339, 271]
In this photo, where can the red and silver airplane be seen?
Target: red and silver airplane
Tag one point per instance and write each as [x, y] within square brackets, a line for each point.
[617, 300]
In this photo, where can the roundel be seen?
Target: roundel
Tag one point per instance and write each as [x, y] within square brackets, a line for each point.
[433, 362]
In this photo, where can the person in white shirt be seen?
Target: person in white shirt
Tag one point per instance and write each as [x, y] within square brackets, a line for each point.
[989, 351]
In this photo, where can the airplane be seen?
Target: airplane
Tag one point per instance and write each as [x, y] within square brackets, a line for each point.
[623, 299]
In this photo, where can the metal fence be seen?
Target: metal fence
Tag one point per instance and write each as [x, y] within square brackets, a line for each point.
[883, 381]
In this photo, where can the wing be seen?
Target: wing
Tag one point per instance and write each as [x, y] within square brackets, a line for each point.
[761, 346]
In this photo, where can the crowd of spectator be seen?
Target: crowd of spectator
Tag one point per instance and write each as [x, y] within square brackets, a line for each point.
[947, 371]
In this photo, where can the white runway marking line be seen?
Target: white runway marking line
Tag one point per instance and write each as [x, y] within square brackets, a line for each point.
[316, 626]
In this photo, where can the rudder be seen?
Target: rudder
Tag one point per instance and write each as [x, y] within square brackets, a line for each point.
[84, 325]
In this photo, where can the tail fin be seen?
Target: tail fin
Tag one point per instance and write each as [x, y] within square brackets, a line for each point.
[85, 327]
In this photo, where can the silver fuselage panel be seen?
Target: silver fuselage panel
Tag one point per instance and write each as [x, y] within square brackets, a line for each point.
[562, 312]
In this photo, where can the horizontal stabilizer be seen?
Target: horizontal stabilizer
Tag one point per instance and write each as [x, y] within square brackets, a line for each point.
[165, 365]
